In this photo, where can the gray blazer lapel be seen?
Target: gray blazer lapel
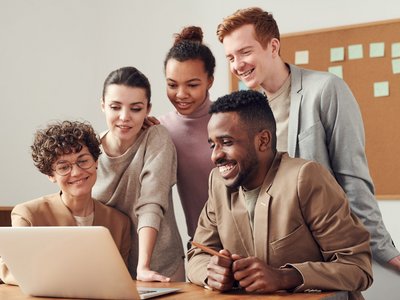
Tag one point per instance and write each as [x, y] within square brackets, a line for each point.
[242, 222]
[295, 100]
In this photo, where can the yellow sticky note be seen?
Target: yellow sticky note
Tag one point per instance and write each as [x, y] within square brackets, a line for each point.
[337, 54]
[396, 66]
[396, 50]
[355, 51]
[301, 57]
[381, 89]
[337, 70]
[377, 50]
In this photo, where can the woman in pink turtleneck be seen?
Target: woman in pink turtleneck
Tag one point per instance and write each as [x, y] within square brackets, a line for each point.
[189, 71]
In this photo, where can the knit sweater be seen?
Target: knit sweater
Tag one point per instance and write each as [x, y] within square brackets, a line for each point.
[190, 137]
[139, 183]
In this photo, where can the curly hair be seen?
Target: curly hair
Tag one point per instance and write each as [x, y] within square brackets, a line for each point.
[265, 26]
[62, 138]
[253, 109]
[189, 45]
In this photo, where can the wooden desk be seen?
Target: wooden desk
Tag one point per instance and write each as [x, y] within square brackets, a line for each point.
[190, 291]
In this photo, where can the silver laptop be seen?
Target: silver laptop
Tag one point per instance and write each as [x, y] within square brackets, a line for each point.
[69, 262]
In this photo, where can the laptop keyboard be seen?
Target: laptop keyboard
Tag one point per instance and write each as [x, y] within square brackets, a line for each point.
[141, 292]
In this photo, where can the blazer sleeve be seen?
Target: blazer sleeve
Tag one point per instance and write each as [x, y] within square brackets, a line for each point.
[206, 234]
[345, 140]
[343, 241]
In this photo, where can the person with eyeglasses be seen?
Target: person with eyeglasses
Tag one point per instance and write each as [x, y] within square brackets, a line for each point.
[67, 152]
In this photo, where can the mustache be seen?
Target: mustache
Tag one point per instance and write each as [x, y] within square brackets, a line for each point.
[221, 161]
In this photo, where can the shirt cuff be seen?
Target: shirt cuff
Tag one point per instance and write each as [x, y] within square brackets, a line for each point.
[149, 220]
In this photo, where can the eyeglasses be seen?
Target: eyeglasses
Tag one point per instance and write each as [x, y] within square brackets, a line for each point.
[64, 168]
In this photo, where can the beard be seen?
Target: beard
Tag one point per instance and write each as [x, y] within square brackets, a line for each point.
[249, 166]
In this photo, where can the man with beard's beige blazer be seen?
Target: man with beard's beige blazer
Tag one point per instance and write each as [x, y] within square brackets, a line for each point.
[302, 220]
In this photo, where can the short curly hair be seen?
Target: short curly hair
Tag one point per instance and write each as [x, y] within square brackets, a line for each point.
[252, 108]
[62, 138]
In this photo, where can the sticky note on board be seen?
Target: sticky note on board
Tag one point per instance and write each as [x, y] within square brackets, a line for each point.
[301, 57]
[337, 54]
[396, 50]
[355, 51]
[381, 89]
[337, 70]
[242, 86]
[377, 50]
[396, 66]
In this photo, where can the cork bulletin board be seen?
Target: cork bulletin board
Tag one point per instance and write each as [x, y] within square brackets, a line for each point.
[367, 57]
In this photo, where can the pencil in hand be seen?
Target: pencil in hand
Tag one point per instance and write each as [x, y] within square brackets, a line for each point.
[209, 250]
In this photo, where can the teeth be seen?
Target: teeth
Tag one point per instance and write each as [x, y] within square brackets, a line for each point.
[78, 181]
[225, 168]
[246, 73]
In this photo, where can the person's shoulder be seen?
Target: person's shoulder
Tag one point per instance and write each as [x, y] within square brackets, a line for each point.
[314, 76]
[286, 160]
[302, 166]
[113, 212]
[167, 118]
[158, 135]
[293, 166]
[157, 130]
[36, 204]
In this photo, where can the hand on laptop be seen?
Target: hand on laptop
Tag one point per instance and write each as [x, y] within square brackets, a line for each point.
[149, 275]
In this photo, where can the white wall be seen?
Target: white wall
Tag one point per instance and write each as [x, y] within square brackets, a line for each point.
[54, 56]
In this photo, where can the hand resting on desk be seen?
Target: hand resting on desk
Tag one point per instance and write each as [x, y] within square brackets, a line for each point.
[251, 273]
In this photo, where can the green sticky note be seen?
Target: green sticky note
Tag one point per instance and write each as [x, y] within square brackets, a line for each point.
[242, 86]
[355, 51]
[381, 89]
[337, 70]
[301, 57]
[396, 66]
[377, 50]
[337, 54]
[396, 50]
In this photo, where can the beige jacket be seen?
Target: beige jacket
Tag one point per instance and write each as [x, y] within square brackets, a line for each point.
[302, 219]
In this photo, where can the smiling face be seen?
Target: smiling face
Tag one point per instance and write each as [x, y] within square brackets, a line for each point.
[78, 183]
[125, 109]
[248, 60]
[187, 84]
[234, 152]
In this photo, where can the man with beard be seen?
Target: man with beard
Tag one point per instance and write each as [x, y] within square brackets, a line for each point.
[279, 223]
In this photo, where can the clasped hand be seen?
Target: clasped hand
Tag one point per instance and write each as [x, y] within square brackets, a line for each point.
[251, 273]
